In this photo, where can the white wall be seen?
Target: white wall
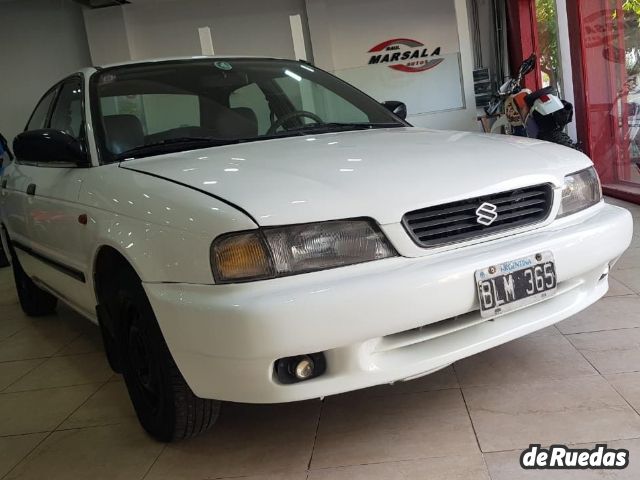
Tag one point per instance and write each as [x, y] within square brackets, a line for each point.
[342, 31]
[487, 37]
[164, 28]
[565, 59]
[41, 41]
[107, 35]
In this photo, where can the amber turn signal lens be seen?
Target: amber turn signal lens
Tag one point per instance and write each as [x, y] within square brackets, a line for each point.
[241, 257]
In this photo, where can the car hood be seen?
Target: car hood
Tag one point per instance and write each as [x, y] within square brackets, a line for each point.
[374, 173]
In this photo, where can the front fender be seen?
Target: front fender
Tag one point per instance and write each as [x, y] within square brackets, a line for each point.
[163, 229]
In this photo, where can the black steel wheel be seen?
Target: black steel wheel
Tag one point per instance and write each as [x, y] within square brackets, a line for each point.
[4, 259]
[165, 405]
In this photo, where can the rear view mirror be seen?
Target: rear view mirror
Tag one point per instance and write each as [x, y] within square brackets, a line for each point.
[49, 145]
[399, 109]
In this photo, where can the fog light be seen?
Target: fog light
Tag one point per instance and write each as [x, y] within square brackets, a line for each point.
[299, 368]
[304, 368]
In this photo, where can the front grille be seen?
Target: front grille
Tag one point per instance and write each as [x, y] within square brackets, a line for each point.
[458, 221]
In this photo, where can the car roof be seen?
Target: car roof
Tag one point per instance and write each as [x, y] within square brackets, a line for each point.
[184, 58]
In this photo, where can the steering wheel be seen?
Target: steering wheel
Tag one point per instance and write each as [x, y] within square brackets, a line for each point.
[298, 113]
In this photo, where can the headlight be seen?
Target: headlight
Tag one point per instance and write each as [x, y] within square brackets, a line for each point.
[280, 251]
[581, 190]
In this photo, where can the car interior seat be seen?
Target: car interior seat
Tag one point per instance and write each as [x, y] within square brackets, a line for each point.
[123, 132]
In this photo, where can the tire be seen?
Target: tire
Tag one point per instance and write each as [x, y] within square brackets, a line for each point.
[111, 348]
[560, 138]
[34, 301]
[165, 405]
[4, 260]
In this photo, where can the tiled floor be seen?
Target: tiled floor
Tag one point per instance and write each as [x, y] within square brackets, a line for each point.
[63, 415]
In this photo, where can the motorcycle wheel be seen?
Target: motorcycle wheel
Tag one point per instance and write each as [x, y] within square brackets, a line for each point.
[560, 138]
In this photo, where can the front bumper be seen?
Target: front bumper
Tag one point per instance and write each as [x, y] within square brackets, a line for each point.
[377, 322]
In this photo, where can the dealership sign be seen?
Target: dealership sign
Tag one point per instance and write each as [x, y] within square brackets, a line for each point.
[405, 55]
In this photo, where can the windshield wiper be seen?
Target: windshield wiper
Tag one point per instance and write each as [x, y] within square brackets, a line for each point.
[171, 145]
[341, 126]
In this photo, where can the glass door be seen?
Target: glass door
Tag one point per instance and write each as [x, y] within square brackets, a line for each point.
[605, 51]
[624, 50]
[548, 49]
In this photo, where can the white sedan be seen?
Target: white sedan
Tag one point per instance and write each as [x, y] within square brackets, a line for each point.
[257, 230]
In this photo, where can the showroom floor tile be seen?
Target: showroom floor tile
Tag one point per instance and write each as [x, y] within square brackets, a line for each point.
[438, 468]
[573, 410]
[532, 358]
[247, 440]
[40, 410]
[109, 405]
[36, 341]
[112, 452]
[618, 289]
[627, 385]
[607, 314]
[610, 351]
[15, 448]
[506, 466]
[65, 371]
[356, 431]
[10, 372]
[64, 415]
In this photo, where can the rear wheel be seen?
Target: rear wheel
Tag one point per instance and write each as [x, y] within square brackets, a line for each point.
[4, 260]
[34, 301]
[164, 403]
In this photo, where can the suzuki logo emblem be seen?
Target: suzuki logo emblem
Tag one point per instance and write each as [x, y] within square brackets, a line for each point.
[487, 213]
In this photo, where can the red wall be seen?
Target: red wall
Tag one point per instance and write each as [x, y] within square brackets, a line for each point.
[599, 75]
[522, 36]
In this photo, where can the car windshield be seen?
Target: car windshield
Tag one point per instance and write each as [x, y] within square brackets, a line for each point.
[151, 108]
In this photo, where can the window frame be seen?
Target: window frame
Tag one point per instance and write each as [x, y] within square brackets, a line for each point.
[55, 90]
[82, 136]
[57, 87]
[102, 155]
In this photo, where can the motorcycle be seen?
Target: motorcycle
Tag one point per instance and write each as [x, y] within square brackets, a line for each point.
[540, 114]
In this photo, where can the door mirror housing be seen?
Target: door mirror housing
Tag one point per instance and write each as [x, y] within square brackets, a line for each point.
[399, 109]
[49, 145]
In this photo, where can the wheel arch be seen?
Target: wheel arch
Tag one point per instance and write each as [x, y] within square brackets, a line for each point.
[107, 261]
[108, 266]
[4, 241]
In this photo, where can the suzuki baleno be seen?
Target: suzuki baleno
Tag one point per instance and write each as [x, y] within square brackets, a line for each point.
[257, 230]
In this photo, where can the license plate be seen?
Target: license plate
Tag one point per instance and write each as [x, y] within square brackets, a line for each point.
[512, 285]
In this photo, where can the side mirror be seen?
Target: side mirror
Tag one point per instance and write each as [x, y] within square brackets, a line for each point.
[399, 109]
[49, 145]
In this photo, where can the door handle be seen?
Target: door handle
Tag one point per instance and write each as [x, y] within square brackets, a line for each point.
[31, 189]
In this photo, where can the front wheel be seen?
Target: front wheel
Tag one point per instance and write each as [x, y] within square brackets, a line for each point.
[165, 405]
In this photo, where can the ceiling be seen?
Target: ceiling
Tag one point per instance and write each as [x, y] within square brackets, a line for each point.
[101, 3]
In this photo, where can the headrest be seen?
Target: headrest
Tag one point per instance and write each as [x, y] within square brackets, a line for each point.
[123, 132]
[237, 122]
